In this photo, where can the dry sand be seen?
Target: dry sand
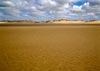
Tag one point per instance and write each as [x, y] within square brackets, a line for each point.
[50, 48]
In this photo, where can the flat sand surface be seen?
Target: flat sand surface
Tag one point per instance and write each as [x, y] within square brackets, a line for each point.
[49, 48]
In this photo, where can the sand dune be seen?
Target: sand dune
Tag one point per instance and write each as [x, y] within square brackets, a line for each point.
[74, 22]
[3, 22]
[53, 22]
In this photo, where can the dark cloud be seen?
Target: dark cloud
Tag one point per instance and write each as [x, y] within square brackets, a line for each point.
[6, 4]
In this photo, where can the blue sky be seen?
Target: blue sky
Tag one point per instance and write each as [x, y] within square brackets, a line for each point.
[78, 3]
[43, 10]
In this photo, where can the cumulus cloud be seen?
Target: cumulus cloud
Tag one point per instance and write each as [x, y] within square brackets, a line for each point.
[41, 10]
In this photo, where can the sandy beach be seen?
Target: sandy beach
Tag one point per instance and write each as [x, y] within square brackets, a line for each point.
[49, 48]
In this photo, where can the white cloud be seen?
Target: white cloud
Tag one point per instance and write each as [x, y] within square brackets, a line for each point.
[50, 9]
[77, 8]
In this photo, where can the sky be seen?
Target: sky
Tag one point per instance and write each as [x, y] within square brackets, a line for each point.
[44, 10]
